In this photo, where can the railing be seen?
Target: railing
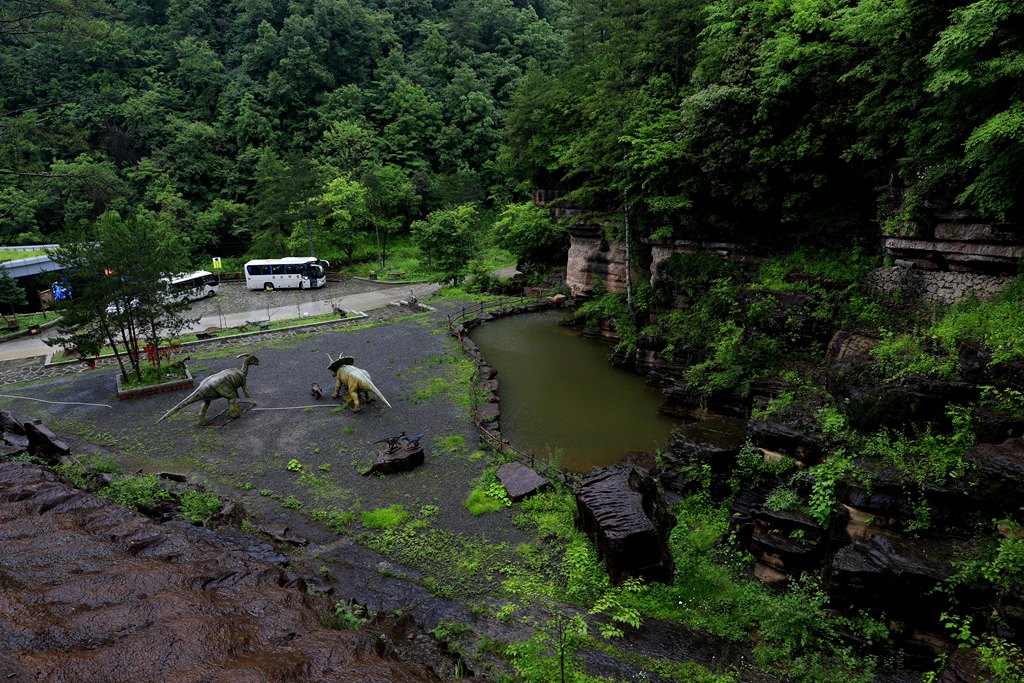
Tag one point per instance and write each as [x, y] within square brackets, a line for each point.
[501, 304]
[571, 479]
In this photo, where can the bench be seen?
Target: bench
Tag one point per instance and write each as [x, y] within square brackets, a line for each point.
[10, 323]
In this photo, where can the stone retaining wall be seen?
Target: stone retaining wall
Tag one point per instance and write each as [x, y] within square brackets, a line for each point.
[933, 286]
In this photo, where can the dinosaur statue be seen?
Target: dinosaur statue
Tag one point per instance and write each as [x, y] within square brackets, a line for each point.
[223, 384]
[355, 380]
[413, 441]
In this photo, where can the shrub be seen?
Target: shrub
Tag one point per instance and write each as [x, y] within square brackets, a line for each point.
[136, 492]
[199, 506]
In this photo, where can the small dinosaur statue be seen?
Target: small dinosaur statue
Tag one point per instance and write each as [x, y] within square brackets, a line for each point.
[354, 379]
[391, 441]
[413, 441]
[223, 384]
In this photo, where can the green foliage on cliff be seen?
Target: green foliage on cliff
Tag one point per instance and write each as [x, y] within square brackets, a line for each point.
[783, 121]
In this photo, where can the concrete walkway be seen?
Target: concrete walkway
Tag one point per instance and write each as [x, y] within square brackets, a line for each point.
[31, 347]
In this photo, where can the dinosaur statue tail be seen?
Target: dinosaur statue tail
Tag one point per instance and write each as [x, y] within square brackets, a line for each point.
[365, 376]
[191, 398]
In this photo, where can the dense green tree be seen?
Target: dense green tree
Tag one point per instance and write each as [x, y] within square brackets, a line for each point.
[391, 200]
[343, 215]
[114, 273]
[11, 293]
[448, 238]
[530, 233]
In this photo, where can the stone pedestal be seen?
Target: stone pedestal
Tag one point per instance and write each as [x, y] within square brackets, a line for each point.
[396, 461]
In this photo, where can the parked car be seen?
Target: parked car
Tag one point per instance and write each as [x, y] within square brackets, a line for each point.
[115, 307]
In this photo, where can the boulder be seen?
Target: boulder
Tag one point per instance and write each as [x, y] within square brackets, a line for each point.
[683, 400]
[520, 481]
[396, 461]
[847, 345]
[797, 437]
[620, 509]
[788, 541]
[918, 402]
[998, 474]
[896, 575]
[714, 442]
[995, 426]
[488, 413]
[282, 533]
[43, 443]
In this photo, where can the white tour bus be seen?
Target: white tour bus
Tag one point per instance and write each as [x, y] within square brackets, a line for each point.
[192, 286]
[304, 272]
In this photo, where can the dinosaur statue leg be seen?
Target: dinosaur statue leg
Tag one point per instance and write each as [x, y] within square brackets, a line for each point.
[337, 387]
[353, 395]
[202, 412]
[234, 408]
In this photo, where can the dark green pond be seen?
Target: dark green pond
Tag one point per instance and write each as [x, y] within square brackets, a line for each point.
[560, 398]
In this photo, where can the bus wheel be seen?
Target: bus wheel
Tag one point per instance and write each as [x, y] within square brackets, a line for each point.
[210, 294]
[300, 285]
[268, 286]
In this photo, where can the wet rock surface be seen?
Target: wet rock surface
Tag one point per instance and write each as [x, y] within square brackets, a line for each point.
[998, 472]
[884, 570]
[619, 508]
[123, 598]
[520, 481]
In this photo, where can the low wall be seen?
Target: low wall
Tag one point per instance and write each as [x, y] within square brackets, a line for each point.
[933, 286]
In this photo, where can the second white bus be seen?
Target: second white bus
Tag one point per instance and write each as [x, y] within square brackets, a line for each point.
[303, 272]
[192, 286]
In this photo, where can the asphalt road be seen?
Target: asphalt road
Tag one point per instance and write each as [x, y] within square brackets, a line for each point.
[235, 306]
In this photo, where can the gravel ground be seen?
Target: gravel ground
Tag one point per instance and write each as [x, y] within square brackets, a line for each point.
[235, 298]
[407, 359]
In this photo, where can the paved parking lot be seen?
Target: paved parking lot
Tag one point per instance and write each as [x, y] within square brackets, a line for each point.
[235, 298]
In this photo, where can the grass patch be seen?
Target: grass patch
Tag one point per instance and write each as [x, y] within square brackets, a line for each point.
[17, 254]
[488, 495]
[385, 518]
[450, 445]
[136, 492]
[336, 520]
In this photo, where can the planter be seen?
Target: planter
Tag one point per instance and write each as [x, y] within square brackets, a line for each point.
[173, 385]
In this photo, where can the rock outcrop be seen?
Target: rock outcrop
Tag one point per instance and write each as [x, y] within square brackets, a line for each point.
[620, 509]
[124, 598]
[592, 258]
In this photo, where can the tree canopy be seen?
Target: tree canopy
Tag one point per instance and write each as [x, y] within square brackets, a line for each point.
[249, 126]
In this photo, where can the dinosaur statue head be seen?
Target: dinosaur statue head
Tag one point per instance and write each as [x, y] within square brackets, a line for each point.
[249, 358]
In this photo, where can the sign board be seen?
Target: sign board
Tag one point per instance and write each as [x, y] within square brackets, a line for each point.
[216, 263]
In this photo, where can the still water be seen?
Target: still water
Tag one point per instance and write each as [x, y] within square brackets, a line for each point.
[559, 396]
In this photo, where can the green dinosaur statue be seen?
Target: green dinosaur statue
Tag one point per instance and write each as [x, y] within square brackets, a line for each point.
[223, 384]
[355, 380]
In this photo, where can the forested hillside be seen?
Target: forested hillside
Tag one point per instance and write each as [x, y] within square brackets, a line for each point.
[244, 122]
[240, 122]
[800, 115]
